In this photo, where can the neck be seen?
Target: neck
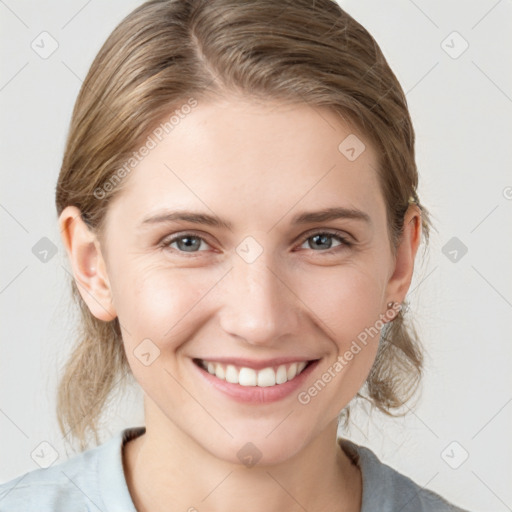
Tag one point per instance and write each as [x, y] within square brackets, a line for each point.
[164, 467]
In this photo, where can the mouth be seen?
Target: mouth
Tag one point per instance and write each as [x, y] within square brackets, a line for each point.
[263, 377]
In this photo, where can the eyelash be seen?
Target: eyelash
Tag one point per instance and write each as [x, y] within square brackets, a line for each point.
[165, 244]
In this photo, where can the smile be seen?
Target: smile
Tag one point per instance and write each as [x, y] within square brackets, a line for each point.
[244, 376]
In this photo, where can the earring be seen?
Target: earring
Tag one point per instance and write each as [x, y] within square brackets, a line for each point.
[395, 308]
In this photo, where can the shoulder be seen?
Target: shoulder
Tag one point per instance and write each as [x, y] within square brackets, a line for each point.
[79, 483]
[387, 490]
[72, 481]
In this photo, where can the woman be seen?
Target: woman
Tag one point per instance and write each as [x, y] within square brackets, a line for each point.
[238, 203]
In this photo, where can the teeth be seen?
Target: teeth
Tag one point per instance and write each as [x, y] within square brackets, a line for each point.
[244, 376]
[301, 366]
[292, 371]
[219, 371]
[266, 377]
[231, 374]
[281, 376]
[247, 377]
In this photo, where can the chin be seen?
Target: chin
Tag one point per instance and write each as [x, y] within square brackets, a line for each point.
[260, 449]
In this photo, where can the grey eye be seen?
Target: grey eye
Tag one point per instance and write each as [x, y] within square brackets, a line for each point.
[186, 243]
[322, 241]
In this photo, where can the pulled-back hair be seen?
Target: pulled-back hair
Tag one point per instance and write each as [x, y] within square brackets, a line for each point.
[168, 51]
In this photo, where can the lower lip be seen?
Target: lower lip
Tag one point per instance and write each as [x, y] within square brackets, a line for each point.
[256, 394]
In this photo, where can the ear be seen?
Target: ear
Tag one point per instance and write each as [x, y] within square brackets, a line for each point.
[401, 274]
[88, 265]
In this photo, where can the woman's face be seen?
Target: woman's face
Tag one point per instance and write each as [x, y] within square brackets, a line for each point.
[283, 284]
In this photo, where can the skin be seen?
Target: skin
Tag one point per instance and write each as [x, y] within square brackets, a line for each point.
[257, 166]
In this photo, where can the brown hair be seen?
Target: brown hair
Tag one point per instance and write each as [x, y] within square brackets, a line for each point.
[167, 51]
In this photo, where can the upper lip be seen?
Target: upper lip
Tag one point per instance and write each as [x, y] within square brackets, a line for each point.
[255, 363]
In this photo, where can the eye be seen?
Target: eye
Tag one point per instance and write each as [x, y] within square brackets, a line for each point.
[186, 242]
[323, 240]
[189, 242]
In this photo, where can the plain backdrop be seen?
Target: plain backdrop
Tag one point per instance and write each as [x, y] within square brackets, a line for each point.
[453, 61]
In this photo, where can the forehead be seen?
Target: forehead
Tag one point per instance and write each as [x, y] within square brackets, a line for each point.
[240, 157]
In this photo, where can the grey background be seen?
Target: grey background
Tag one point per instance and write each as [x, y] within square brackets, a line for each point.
[461, 108]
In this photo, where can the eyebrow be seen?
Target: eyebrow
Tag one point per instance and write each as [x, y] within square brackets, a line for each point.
[324, 215]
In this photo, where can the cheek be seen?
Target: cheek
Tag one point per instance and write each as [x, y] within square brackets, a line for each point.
[157, 309]
[159, 303]
[346, 300]
[167, 304]
[347, 307]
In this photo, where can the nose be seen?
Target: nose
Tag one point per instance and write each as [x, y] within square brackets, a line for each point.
[258, 303]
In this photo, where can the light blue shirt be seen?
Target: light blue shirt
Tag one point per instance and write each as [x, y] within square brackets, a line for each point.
[94, 481]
